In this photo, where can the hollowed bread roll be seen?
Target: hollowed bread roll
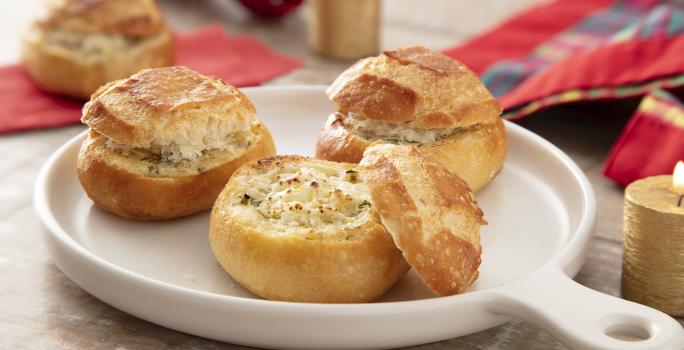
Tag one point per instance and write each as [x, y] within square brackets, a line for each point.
[164, 142]
[416, 96]
[299, 229]
[76, 46]
[429, 211]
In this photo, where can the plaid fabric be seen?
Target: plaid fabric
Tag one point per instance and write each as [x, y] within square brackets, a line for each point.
[666, 107]
[661, 20]
[598, 93]
[623, 21]
[651, 143]
[597, 29]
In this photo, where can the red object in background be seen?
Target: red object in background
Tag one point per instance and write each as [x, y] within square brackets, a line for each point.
[271, 8]
[566, 51]
[23, 106]
[651, 143]
[619, 64]
[240, 60]
[523, 33]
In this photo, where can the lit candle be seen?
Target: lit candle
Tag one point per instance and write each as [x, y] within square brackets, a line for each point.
[653, 261]
[678, 181]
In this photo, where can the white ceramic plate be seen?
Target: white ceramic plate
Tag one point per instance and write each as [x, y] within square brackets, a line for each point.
[540, 209]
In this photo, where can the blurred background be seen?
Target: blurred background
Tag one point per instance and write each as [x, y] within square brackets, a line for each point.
[404, 23]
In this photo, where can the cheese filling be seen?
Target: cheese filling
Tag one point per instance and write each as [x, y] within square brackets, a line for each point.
[174, 152]
[396, 133]
[91, 47]
[313, 200]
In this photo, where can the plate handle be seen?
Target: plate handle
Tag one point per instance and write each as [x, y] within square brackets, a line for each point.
[583, 318]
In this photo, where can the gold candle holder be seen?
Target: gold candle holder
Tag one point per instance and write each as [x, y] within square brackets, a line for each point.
[653, 261]
[344, 29]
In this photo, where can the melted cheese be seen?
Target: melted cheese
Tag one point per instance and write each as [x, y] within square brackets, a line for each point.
[311, 200]
[397, 133]
[92, 47]
[192, 147]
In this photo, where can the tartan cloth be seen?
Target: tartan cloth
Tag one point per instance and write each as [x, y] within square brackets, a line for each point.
[591, 50]
[651, 143]
[584, 50]
[596, 30]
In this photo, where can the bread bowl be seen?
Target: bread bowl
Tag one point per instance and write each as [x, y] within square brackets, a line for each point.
[300, 229]
[164, 142]
[76, 46]
[418, 97]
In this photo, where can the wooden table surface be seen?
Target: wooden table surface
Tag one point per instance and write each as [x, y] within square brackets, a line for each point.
[42, 308]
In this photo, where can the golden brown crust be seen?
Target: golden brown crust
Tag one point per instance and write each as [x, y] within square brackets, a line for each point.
[134, 18]
[427, 59]
[359, 268]
[169, 89]
[430, 213]
[337, 144]
[265, 163]
[476, 154]
[388, 101]
[417, 85]
[134, 111]
[139, 197]
[64, 73]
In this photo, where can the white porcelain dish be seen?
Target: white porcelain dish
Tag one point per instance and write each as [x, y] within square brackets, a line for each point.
[541, 211]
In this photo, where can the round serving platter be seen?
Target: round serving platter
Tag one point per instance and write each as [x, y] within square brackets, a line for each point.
[541, 211]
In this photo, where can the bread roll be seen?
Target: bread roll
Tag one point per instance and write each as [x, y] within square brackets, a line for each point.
[429, 211]
[164, 142]
[419, 97]
[299, 229]
[76, 46]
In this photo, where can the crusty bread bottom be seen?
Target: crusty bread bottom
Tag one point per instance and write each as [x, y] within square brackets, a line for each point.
[65, 74]
[136, 196]
[358, 267]
[476, 154]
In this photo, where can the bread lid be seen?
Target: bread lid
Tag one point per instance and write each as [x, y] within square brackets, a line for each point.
[430, 213]
[416, 85]
[171, 103]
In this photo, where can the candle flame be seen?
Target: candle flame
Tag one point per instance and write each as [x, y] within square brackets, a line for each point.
[678, 178]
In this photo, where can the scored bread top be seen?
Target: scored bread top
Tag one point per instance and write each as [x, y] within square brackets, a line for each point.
[417, 85]
[131, 18]
[167, 105]
[430, 212]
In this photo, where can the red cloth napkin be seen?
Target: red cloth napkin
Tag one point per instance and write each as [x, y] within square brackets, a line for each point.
[579, 50]
[521, 34]
[240, 60]
[651, 143]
